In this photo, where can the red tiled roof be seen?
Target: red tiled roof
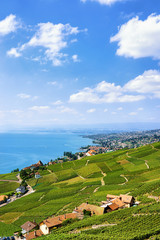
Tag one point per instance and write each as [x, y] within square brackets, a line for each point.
[118, 202]
[28, 226]
[34, 234]
[55, 221]
[113, 206]
[93, 208]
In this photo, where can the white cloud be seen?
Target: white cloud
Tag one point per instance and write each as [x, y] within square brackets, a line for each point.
[86, 95]
[13, 52]
[107, 87]
[27, 96]
[138, 38]
[39, 108]
[113, 113]
[58, 102]
[104, 2]
[143, 86]
[133, 113]
[9, 24]
[95, 96]
[53, 38]
[105, 110]
[74, 40]
[140, 109]
[52, 83]
[92, 110]
[16, 112]
[23, 95]
[120, 109]
[64, 109]
[75, 58]
[147, 83]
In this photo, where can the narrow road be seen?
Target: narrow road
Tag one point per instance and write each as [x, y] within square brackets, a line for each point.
[103, 225]
[4, 180]
[102, 180]
[81, 177]
[125, 179]
[49, 171]
[87, 162]
[83, 189]
[128, 155]
[146, 164]
[95, 190]
[155, 197]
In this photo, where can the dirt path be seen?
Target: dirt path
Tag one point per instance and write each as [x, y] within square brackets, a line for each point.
[125, 179]
[102, 225]
[87, 162]
[146, 164]
[128, 155]
[17, 181]
[49, 171]
[152, 147]
[19, 178]
[102, 180]
[81, 177]
[83, 189]
[154, 197]
[4, 180]
[96, 189]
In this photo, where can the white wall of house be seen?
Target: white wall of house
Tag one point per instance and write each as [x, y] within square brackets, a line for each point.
[44, 229]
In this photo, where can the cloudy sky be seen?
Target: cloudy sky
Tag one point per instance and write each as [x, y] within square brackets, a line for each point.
[79, 62]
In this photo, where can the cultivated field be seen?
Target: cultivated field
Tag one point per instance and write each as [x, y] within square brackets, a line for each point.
[67, 185]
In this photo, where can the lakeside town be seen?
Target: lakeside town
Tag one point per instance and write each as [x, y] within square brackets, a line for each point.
[117, 141]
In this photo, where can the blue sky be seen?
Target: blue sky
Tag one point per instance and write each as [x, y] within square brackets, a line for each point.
[79, 62]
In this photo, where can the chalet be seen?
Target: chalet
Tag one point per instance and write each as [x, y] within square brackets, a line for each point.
[122, 200]
[37, 175]
[95, 210]
[28, 226]
[47, 225]
[34, 234]
[127, 200]
[3, 198]
[21, 190]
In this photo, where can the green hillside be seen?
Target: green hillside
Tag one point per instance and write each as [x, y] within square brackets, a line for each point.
[67, 185]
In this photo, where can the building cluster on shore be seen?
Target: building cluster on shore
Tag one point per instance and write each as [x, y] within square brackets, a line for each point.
[117, 141]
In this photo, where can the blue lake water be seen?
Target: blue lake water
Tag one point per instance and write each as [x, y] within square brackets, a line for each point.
[21, 150]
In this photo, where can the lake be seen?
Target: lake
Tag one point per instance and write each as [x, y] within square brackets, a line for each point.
[18, 150]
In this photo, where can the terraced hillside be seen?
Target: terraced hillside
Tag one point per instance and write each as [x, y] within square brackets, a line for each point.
[67, 185]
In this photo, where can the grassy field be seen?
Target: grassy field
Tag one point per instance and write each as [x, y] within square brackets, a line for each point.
[67, 185]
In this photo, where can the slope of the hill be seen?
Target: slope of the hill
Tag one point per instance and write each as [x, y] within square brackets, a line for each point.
[67, 185]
